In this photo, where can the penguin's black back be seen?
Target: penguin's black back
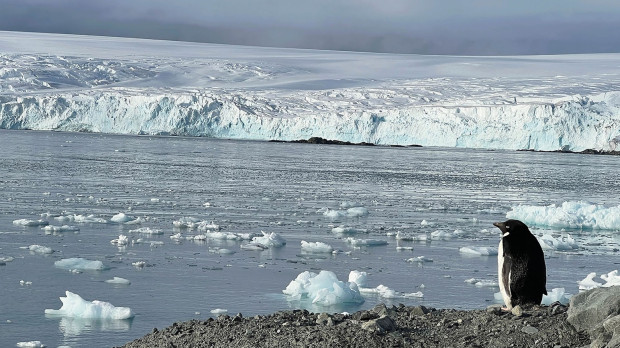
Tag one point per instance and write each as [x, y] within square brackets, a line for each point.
[525, 260]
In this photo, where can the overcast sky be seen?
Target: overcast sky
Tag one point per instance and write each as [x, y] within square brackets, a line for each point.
[472, 27]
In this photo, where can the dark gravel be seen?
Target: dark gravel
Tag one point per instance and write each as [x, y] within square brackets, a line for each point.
[379, 327]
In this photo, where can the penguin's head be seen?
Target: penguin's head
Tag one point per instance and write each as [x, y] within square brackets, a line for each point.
[509, 227]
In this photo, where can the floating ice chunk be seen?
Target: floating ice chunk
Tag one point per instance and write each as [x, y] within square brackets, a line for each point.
[186, 222]
[78, 263]
[139, 264]
[404, 237]
[205, 226]
[177, 236]
[75, 306]
[365, 242]
[30, 223]
[441, 235]
[40, 249]
[25, 283]
[81, 219]
[562, 243]
[221, 251]
[30, 344]
[121, 218]
[357, 211]
[230, 235]
[316, 247]
[121, 240]
[269, 240]
[482, 283]
[156, 243]
[63, 228]
[389, 293]
[349, 204]
[420, 259]
[219, 311]
[323, 289]
[199, 237]
[6, 259]
[612, 279]
[478, 251]
[358, 277]
[147, 230]
[334, 214]
[588, 282]
[556, 295]
[253, 247]
[424, 223]
[569, 215]
[118, 281]
[347, 230]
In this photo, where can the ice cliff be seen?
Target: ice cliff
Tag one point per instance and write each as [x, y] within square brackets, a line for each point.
[550, 103]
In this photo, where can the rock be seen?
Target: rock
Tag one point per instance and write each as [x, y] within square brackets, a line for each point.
[595, 311]
[381, 310]
[419, 310]
[324, 319]
[517, 311]
[529, 330]
[380, 325]
[495, 309]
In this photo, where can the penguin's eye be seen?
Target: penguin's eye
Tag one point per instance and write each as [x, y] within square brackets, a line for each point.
[507, 227]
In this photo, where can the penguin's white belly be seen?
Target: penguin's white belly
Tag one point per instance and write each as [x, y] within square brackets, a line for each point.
[500, 266]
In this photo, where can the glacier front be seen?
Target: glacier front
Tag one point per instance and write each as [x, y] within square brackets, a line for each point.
[131, 86]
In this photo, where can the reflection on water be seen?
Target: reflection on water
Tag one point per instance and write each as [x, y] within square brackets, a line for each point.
[77, 326]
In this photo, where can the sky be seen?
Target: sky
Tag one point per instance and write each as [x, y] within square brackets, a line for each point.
[455, 27]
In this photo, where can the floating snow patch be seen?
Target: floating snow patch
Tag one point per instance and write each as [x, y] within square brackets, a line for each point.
[316, 247]
[388, 293]
[58, 229]
[147, 230]
[569, 215]
[30, 344]
[358, 277]
[478, 251]
[556, 295]
[118, 281]
[40, 249]
[122, 240]
[74, 306]
[347, 230]
[30, 223]
[420, 259]
[560, 243]
[365, 242]
[323, 289]
[482, 283]
[78, 263]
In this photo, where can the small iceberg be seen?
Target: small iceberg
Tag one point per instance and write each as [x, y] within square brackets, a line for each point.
[316, 247]
[75, 306]
[78, 263]
[30, 223]
[365, 242]
[118, 281]
[323, 289]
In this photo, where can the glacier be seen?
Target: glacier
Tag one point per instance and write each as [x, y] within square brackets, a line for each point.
[149, 87]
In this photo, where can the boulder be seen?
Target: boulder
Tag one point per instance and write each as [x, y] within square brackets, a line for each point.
[597, 312]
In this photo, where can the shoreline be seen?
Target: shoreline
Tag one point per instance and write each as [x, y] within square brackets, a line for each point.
[592, 317]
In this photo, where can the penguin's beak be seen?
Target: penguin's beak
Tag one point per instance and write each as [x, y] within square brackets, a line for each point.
[501, 226]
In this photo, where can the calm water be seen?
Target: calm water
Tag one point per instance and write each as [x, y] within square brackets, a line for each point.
[272, 187]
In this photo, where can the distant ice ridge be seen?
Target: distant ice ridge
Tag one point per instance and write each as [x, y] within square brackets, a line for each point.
[75, 306]
[569, 215]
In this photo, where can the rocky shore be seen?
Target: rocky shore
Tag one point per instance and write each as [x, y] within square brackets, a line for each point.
[591, 319]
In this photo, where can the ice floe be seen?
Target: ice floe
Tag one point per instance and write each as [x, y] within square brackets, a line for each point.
[30, 344]
[350, 212]
[118, 281]
[122, 218]
[611, 279]
[267, 240]
[40, 249]
[218, 311]
[420, 259]
[569, 215]
[323, 289]
[147, 230]
[78, 218]
[478, 251]
[316, 247]
[556, 295]
[60, 229]
[358, 277]
[347, 230]
[75, 306]
[78, 263]
[482, 283]
[563, 242]
[361, 278]
[122, 240]
[356, 242]
[30, 223]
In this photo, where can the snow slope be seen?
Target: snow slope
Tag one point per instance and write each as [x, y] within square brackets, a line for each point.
[131, 86]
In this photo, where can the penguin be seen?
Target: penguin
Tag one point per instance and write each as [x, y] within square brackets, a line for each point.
[521, 266]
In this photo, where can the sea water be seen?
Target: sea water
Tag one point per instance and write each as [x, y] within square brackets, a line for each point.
[439, 202]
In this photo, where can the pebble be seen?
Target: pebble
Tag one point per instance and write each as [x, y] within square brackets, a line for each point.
[529, 330]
